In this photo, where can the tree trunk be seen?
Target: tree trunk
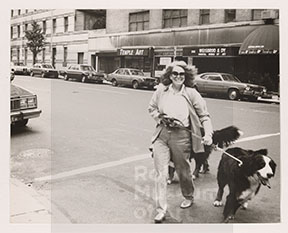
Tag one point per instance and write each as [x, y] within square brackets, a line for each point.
[34, 58]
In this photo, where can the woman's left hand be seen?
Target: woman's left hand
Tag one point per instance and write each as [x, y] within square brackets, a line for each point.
[207, 140]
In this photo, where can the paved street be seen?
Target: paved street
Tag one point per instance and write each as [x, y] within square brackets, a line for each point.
[88, 154]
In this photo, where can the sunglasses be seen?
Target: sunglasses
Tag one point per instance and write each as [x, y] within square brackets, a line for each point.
[175, 73]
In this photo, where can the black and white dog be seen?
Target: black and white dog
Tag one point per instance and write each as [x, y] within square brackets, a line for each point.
[221, 138]
[244, 181]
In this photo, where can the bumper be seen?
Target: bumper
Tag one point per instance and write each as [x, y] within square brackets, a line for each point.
[96, 78]
[21, 71]
[25, 114]
[149, 84]
[252, 93]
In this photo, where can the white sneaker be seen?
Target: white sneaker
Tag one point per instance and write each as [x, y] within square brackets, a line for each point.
[159, 218]
[186, 203]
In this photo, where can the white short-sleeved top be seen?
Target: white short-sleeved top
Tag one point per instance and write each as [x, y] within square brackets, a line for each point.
[175, 105]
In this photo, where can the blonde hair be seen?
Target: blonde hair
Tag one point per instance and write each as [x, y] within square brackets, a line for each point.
[190, 73]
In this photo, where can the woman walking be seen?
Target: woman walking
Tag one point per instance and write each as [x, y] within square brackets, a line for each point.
[176, 99]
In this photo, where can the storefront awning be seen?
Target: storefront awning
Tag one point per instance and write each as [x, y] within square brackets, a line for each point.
[263, 40]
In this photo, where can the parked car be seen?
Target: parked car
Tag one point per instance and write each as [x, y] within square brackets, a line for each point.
[12, 75]
[131, 77]
[227, 85]
[83, 73]
[20, 68]
[24, 106]
[44, 70]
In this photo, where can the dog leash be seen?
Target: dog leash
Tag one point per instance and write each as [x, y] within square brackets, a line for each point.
[179, 124]
[226, 153]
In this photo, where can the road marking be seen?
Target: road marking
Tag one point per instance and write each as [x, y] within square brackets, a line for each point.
[255, 111]
[94, 168]
[96, 89]
[125, 161]
[257, 137]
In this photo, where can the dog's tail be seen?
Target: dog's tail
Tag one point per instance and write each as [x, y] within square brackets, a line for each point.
[227, 136]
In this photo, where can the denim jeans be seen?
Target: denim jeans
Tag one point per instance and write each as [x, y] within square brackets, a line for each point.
[172, 144]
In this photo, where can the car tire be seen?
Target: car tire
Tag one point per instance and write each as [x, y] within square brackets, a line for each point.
[233, 94]
[21, 123]
[31, 74]
[135, 85]
[114, 82]
[66, 78]
[83, 79]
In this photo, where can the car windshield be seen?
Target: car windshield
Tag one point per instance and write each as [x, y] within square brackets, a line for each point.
[137, 72]
[230, 78]
[47, 66]
[87, 68]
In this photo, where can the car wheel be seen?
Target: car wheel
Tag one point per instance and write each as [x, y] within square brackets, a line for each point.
[135, 85]
[66, 77]
[84, 79]
[233, 94]
[114, 82]
[31, 74]
[21, 123]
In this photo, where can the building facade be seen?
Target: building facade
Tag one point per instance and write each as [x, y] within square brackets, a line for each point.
[149, 39]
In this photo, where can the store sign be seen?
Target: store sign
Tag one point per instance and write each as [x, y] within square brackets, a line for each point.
[210, 51]
[165, 60]
[133, 52]
[258, 51]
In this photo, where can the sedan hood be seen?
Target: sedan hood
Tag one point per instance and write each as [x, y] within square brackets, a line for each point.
[253, 85]
[16, 91]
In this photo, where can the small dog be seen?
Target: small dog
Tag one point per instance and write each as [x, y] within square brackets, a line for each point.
[221, 138]
[244, 181]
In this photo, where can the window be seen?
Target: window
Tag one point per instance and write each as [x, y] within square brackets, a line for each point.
[26, 27]
[214, 78]
[139, 21]
[11, 13]
[65, 24]
[54, 53]
[230, 15]
[26, 11]
[256, 14]
[11, 32]
[19, 12]
[54, 26]
[65, 57]
[44, 26]
[126, 72]
[18, 55]
[18, 31]
[204, 16]
[25, 55]
[174, 18]
[43, 54]
[80, 58]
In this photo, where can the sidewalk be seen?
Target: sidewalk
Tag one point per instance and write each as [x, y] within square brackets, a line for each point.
[28, 206]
